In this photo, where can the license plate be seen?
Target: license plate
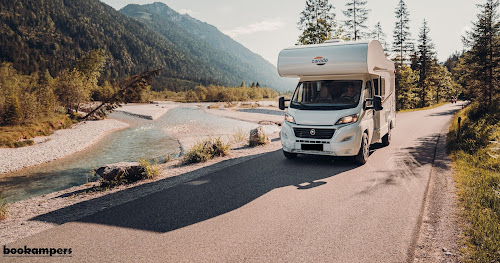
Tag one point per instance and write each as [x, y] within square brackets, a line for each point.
[312, 147]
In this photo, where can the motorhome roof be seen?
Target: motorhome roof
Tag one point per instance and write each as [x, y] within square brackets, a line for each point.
[339, 43]
[340, 58]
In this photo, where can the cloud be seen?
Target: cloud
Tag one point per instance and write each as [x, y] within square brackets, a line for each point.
[187, 11]
[263, 26]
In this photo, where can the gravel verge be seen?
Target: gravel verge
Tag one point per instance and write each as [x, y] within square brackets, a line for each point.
[58, 145]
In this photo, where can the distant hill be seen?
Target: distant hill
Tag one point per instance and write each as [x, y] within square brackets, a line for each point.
[208, 44]
[51, 34]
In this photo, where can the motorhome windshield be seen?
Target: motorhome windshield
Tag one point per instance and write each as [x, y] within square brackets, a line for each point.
[327, 95]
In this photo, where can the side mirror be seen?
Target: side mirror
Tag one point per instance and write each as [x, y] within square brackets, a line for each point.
[377, 103]
[282, 103]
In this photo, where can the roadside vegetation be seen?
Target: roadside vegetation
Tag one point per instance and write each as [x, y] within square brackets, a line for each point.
[205, 150]
[476, 155]
[3, 208]
[474, 146]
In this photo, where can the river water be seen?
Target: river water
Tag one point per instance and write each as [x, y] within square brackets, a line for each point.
[143, 139]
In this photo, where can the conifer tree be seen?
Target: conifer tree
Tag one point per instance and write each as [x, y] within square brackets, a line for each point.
[402, 36]
[480, 64]
[317, 22]
[378, 34]
[356, 18]
[426, 61]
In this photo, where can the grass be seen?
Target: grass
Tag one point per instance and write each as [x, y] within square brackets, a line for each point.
[20, 135]
[205, 150]
[477, 167]
[239, 136]
[151, 170]
[424, 108]
[3, 208]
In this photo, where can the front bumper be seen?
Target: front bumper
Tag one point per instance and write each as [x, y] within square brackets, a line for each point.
[345, 141]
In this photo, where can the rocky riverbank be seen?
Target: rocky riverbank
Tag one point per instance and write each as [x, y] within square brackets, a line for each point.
[58, 145]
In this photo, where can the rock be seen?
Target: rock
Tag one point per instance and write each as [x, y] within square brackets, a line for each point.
[123, 172]
[258, 136]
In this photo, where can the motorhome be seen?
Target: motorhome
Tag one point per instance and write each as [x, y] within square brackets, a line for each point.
[344, 101]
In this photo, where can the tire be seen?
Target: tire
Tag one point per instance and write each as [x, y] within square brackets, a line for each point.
[386, 140]
[290, 155]
[364, 150]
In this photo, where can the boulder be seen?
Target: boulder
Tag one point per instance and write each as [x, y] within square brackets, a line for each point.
[258, 136]
[123, 172]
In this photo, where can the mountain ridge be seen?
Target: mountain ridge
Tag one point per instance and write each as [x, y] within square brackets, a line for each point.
[51, 34]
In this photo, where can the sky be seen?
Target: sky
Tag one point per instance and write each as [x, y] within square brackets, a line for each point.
[268, 26]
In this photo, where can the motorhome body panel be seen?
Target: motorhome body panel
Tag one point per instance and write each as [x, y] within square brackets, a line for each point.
[344, 58]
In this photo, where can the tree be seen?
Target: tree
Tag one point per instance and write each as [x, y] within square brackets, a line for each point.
[128, 90]
[406, 80]
[402, 36]
[317, 22]
[13, 114]
[480, 64]
[71, 89]
[378, 34]
[356, 17]
[426, 61]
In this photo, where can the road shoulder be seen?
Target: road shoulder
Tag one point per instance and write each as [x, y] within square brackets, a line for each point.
[438, 239]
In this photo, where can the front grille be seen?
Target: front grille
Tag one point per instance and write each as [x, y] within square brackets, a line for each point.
[319, 133]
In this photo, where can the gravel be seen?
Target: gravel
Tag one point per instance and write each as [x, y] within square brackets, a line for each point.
[60, 144]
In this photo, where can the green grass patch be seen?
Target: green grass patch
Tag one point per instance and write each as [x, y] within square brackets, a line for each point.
[20, 135]
[477, 166]
[424, 108]
[205, 150]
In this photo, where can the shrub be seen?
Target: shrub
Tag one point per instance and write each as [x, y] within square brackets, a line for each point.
[205, 150]
[239, 136]
[150, 170]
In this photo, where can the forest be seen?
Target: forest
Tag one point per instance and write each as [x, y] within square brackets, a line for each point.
[36, 36]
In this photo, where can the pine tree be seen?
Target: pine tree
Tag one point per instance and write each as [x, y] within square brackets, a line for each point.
[402, 36]
[426, 61]
[356, 17]
[13, 114]
[317, 22]
[378, 34]
[480, 64]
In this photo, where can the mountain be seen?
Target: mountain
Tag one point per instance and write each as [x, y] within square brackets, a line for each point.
[51, 34]
[208, 44]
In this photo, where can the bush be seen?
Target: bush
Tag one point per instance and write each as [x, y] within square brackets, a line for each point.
[205, 150]
[150, 170]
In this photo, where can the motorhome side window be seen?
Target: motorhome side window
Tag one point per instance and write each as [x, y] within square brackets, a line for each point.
[369, 93]
[327, 94]
[376, 87]
[382, 88]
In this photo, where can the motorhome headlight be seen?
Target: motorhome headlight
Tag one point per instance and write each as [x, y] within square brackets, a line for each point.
[348, 119]
[289, 118]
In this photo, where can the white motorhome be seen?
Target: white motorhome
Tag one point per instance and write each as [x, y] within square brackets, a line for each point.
[344, 101]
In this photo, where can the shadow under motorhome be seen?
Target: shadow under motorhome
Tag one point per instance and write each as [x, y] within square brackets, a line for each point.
[345, 99]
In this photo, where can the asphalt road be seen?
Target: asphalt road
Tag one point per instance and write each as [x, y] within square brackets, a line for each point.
[270, 209]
